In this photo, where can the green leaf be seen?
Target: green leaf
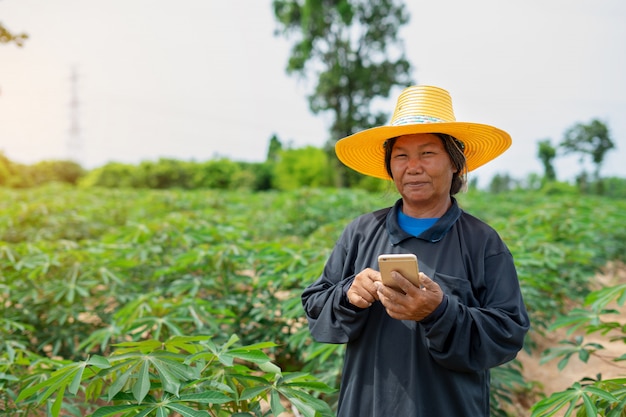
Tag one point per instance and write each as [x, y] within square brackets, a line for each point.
[141, 346]
[171, 372]
[583, 355]
[304, 401]
[313, 386]
[618, 410]
[141, 387]
[260, 345]
[255, 356]
[226, 359]
[113, 410]
[186, 411]
[563, 362]
[590, 407]
[186, 343]
[120, 382]
[206, 356]
[58, 402]
[253, 392]
[59, 379]
[99, 362]
[148, 409]
[231, 341]
[275, 404]
[549, 406]
[600, 298]
[305, 408]
[616, 381]
[598, 392]
[75, 384]
[207, 397]
[270, 367]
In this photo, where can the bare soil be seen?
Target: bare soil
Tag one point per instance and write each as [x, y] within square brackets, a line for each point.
[549, 379]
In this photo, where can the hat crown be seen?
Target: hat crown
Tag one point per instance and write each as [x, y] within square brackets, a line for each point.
[423, 104]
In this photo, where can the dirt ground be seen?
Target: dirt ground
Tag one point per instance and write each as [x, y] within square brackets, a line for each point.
[547, 375]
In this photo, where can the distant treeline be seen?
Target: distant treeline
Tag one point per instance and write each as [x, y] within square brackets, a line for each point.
[287, 170]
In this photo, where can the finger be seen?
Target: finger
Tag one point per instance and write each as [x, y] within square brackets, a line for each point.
[424, 278]
[354, 299]
[365, 284]
[405, 285]
[360, 299]
[391, 304]
[372, 288]
[427, 282]
[367, 295]
[374, 275]
[382, 290]
[388, 296]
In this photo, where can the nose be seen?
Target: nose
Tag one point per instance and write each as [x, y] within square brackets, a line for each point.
[414, 165]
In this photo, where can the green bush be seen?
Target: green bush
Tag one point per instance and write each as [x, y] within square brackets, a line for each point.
[611, 187]
[304, 167]
[113, 175]
[167, 173]
[68, 172]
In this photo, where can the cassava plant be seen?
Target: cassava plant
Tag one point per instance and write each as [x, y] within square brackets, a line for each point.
[90, 277]
[187, 375]
[591, 396]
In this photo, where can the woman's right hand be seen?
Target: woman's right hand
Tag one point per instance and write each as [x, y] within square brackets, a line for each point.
[362, 293]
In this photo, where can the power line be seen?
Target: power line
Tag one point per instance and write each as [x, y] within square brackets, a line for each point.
[74, 140]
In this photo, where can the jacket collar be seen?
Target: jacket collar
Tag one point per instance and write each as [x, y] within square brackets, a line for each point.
[433, 234]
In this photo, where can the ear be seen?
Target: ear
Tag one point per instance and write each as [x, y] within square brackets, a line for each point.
[453, 167]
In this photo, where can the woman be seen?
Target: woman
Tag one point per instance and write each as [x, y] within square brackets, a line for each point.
[420, 351]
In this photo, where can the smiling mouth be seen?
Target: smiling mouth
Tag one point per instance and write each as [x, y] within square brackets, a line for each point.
[415, 184]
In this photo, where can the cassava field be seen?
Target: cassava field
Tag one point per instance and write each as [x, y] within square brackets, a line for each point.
[187, 303]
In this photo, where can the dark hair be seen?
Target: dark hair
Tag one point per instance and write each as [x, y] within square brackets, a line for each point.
[453, 147]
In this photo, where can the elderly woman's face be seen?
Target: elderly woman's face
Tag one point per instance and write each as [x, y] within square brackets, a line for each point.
[422, 170]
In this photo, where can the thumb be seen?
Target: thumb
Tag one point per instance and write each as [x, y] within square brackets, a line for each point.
[427, 283]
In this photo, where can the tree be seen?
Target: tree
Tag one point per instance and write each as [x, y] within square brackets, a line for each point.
[591, 139]
[8, 37]
[501, 183]
[546, 154]
[353, 50]
[274, 149]
[66, 171]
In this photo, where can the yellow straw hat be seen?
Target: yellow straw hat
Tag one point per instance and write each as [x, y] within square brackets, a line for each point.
[421, 109]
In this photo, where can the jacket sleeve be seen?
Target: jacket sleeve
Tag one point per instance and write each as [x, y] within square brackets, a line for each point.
[468, 338]
[331, 317]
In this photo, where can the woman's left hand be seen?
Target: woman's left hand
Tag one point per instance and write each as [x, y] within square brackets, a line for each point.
[416, 303]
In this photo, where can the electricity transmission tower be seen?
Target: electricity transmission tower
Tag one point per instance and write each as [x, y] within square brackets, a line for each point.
[74, 140]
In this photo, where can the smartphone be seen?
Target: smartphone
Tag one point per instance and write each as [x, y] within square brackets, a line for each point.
[404, 263]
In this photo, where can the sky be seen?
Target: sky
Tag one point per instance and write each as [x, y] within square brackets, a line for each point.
[204, 79]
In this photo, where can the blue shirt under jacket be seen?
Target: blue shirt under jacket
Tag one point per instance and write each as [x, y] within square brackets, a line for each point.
[436, 367]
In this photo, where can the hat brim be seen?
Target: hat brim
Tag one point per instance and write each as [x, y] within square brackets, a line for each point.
[364, 151]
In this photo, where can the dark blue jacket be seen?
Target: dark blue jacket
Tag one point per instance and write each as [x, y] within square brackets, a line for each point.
[436, 367]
